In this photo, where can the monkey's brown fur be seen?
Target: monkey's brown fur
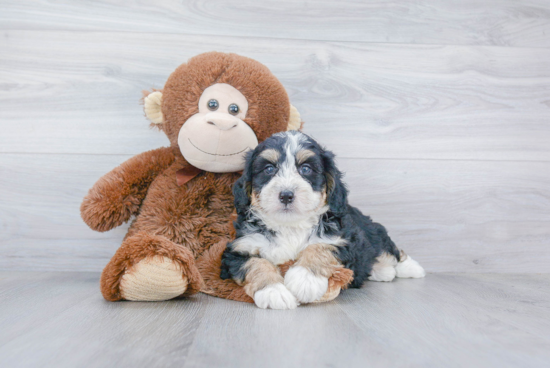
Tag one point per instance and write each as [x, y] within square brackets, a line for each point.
[189, 224]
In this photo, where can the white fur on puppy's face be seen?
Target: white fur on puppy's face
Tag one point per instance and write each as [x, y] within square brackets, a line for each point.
[307, 204]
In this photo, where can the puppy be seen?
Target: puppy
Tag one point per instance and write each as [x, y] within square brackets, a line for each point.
[292, 205]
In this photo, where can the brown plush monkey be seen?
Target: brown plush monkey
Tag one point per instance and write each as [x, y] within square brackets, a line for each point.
[213, 109]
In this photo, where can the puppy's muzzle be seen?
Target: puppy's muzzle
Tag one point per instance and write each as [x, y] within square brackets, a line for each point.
[286, 197]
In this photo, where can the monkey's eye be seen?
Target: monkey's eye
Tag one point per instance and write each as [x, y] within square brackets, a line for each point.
[233, 109]
[269, 169]
[305, 169]
[213, 105]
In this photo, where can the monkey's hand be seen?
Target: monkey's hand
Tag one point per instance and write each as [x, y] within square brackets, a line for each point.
[118, 195]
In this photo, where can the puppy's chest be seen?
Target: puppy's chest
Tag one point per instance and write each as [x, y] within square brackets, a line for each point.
[285, 245]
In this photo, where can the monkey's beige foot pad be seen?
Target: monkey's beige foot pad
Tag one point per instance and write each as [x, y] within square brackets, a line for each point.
[153, 279]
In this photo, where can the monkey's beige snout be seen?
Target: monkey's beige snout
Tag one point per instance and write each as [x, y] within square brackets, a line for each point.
[222, 121]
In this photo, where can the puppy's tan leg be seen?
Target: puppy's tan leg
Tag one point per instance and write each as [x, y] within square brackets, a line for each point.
[308, 278]
[264, 284]
[319, 259]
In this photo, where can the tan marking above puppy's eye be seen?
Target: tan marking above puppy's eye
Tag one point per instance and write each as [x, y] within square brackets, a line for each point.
[271, 155]
[303, 155]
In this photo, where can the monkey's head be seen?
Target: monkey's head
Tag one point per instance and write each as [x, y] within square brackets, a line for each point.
[218, 106]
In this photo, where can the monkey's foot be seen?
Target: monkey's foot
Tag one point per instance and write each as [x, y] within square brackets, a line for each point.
[153, 279]
[150, 268]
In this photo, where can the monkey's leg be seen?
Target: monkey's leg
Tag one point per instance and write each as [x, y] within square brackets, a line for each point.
[150, 268]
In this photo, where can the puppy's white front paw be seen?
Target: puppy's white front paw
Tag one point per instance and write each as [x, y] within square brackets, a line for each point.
[306, 286]
[275, 296]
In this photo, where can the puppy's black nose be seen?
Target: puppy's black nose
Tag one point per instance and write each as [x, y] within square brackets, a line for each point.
[286, 197]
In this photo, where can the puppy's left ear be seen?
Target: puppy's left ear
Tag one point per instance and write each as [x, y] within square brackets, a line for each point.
[337, 193]
[242, 189]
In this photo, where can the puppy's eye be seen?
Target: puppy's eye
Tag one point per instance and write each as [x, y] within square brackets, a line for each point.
[269, 169]
[305, 169]
[213, 105]
[233, 109]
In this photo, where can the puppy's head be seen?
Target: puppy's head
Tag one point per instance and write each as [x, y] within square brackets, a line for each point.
[290, 178]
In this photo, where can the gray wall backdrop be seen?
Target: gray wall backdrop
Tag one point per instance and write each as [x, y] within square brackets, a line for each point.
[439, 112]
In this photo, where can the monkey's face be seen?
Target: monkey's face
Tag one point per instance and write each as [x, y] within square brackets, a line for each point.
[217, 106]
[216, 138]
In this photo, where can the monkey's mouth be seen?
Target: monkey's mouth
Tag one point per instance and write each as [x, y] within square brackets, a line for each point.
[217, 154]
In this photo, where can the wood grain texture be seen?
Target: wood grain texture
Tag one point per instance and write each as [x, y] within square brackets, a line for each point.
[438, 111]
[62, 320]
[451, 320]
[447, 315]
[40, 213]
[78, 92]
[461, 216]
[494, 22]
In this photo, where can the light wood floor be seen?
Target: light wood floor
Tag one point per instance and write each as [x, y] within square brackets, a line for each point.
[59, 319]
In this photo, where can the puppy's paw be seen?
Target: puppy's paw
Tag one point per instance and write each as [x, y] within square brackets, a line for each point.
[306, 286]
[275, 296]
[409, 268]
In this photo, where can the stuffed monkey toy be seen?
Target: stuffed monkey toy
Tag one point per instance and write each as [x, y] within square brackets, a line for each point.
[213, 109]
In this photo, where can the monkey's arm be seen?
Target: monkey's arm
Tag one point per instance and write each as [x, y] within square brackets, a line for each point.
[117, 195]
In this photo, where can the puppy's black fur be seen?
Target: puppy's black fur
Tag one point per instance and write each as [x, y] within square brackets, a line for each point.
[365, 239]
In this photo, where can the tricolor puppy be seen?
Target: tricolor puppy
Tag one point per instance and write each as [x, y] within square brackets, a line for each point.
[292, 205]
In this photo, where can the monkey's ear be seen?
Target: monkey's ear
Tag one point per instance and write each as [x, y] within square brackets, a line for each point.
[151, 105]
[295, 121]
